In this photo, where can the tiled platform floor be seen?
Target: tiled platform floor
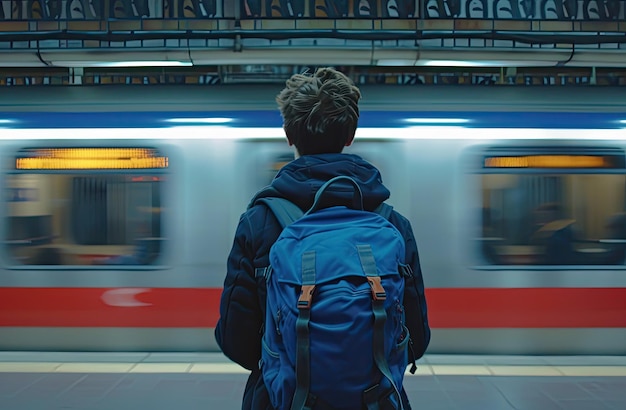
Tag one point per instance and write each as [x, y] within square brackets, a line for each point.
[125, 381]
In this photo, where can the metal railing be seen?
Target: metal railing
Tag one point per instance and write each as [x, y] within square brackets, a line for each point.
[403, 30]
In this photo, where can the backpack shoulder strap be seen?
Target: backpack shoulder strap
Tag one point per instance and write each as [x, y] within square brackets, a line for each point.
[368, 264]
[285, 211]
[384, 210]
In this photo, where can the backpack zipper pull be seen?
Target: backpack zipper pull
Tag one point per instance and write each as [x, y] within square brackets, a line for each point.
[412, 358]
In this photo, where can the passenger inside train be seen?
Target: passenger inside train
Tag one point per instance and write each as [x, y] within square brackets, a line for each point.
[556, 234]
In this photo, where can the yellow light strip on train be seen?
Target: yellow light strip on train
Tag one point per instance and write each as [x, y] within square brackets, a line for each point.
[94, 153]
[547, 161]
[91, 158]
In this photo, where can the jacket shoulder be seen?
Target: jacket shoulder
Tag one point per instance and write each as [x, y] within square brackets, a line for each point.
[401, 222]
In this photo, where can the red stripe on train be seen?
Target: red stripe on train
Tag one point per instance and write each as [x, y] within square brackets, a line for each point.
[184, 307]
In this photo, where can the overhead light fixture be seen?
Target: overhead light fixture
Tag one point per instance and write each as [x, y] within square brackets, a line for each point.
[484, 63]
[147, 64]
[437, 120]
[121, 64]
[215, 120]
[449, 63]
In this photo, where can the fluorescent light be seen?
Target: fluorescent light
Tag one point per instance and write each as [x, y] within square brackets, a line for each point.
[109, 64]
[145, 64]
[215, 120]
[437, 120]
[487, 62]
[449, 63]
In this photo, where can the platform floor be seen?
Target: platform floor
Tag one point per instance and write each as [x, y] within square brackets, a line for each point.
[181, 381]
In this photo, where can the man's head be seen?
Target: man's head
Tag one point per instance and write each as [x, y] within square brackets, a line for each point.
[320, 111]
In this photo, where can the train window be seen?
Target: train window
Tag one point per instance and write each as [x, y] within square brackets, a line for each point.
[544, 207]
[85, 206]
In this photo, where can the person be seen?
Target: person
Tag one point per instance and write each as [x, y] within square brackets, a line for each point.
[320, 114]
[557, 233]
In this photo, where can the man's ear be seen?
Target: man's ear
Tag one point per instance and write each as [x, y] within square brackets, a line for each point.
[287, 136]
[350, 140]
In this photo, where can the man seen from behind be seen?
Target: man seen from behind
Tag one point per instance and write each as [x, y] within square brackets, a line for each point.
[320, 114]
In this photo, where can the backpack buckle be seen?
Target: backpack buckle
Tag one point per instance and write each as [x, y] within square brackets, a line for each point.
[378, 292]
[304, 301]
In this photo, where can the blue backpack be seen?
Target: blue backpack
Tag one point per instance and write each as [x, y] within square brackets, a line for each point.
[334, 335]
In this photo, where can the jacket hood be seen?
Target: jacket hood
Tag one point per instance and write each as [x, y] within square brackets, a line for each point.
[299, 181]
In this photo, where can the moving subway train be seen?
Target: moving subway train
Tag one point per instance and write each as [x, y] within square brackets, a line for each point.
[120, 206]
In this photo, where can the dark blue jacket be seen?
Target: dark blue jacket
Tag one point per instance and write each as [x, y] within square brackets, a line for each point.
[242, 307]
